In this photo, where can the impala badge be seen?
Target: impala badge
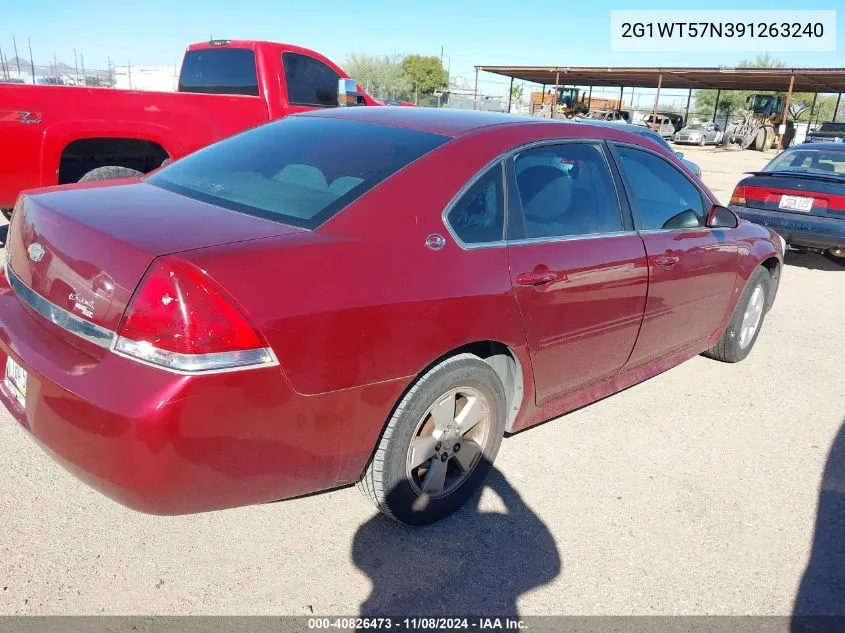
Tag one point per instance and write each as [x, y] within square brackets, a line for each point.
[36, 252]
[81, 304]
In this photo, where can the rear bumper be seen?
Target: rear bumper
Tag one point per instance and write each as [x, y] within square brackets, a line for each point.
[163, 443]
[799, 230]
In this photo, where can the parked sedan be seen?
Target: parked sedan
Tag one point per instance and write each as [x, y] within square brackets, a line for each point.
[699, 134]
[281, 312]
[801, 195]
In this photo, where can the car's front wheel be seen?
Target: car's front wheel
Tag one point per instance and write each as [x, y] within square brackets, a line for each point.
[739, 337]
[440, 442]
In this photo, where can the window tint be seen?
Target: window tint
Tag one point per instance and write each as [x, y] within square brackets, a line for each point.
[219, 71]
[566, 190]
[309, 81]
[298, 170]
[663, 197]
[479, 215]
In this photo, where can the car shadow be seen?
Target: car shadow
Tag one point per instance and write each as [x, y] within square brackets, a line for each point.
[822, 588]
[471, 563]
[813, 261]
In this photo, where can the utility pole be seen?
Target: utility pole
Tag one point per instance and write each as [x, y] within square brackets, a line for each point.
[55, 67]
[17, 59]
[76, 65]
[82, 64]
[129, 72]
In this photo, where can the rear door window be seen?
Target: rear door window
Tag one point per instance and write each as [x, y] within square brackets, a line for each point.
[309, 81]
[219, 71]
[566, 190]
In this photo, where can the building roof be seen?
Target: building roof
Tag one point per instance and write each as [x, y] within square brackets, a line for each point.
[722, 78]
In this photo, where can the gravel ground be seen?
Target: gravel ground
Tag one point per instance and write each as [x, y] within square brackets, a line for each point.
[695, 492]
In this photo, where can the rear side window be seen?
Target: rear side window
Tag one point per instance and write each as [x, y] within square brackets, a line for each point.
[479, 216]
[299, 170]
[566, 190]
[219, 71]
[663, 197]
[309, 81]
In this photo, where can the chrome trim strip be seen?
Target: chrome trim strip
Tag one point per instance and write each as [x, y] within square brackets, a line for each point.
[569, 238]
[91, 332]
[195, 364]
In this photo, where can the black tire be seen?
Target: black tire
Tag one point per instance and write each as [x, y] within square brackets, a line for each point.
[386, 482]
[728, 349]
[110, 172]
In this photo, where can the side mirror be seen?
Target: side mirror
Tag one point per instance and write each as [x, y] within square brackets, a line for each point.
[348, 94]
[679, 155]
[721, 218]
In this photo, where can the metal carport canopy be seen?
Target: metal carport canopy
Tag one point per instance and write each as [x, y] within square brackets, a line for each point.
[776, 79]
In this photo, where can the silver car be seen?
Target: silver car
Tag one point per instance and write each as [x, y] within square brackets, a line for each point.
[699, 134]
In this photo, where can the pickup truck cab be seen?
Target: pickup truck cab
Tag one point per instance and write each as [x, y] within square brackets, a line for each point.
[63, 134]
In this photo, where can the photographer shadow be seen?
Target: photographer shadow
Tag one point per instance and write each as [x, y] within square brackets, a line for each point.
[820, 603]
[472, 563]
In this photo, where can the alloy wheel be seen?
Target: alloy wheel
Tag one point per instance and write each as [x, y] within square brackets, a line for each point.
[448, 442]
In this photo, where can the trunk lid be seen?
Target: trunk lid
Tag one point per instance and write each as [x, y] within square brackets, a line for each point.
[85, 248]
[763, 191]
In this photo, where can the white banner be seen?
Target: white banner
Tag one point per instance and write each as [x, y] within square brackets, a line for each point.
[716, 31]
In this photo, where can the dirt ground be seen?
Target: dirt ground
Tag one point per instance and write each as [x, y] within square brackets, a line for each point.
[696, 492]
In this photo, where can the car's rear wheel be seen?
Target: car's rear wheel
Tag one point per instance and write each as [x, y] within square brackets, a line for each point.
[744, 327]
[109, 172]
[440, 442]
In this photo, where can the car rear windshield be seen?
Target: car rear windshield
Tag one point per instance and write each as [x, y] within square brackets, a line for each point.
[835, 128]
[219, 71]
[300, 170]
[812, 161]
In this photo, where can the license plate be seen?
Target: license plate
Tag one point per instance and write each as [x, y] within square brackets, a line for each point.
[16, 381]
[796, 203]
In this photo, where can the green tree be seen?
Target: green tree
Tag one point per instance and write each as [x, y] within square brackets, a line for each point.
[382, 76]
[517, 91]
[799, 107]
[425, 73]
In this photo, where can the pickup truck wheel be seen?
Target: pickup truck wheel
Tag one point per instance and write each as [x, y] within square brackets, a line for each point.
[109, 172]
[440, 442]
[747, 320]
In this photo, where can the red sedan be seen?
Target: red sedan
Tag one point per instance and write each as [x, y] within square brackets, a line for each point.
[371, 295]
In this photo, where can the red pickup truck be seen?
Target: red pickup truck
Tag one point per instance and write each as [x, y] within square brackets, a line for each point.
[60, 134]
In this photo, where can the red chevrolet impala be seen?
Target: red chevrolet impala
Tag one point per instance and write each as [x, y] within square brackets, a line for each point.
[371, 295]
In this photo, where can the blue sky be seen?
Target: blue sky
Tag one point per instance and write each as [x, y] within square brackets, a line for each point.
[541, 32]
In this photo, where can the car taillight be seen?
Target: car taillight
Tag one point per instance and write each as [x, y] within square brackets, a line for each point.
[738, 196]
[181, 319]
